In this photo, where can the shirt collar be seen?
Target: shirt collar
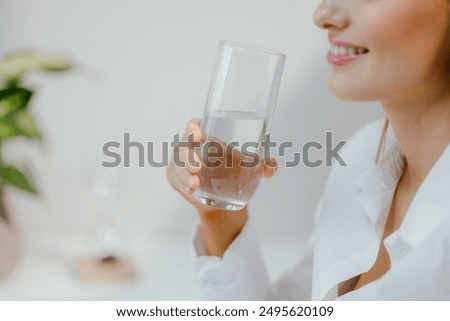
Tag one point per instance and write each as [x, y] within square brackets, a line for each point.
[430, 206]
[375, 187]
[374, 192]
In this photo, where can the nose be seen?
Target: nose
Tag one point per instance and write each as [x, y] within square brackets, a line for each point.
[331, 15]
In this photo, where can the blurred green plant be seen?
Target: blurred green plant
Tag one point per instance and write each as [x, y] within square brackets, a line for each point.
[15, 119]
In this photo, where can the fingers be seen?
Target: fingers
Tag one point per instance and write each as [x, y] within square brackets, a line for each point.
[185, 155]
[185, 163]
[195, 121]
[184, 183]
[181, 179]
[190, 160]
[270, 167]
[193, 132]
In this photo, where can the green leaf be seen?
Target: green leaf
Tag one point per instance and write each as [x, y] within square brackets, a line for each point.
[10, 175]
[13, 66]
[7, 130]
[20, 123]
[13, 99]
[25, 124]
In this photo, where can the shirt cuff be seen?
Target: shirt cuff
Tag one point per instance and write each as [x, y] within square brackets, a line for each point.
[239, 275]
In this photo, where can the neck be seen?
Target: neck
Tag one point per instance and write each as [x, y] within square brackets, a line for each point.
[422, 129]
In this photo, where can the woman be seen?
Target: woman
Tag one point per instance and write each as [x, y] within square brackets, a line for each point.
[383, 224]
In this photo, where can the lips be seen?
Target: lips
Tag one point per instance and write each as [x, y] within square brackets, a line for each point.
[342, 53]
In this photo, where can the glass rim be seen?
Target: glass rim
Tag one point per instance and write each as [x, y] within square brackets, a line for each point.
[245, 46]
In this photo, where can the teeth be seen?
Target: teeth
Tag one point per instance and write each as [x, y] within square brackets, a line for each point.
[343, 51]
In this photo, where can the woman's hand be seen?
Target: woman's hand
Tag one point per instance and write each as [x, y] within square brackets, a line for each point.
[219, 226]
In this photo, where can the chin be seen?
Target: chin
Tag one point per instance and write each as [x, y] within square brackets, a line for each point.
[344, 90]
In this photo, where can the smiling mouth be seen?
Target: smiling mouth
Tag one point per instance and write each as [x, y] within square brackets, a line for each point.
[347, 50]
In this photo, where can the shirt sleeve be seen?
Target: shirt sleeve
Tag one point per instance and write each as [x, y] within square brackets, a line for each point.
[241, 273]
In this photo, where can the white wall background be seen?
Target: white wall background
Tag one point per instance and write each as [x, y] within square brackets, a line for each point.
[144, 67]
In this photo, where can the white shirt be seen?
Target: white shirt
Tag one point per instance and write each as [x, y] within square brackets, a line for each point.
[350, 219]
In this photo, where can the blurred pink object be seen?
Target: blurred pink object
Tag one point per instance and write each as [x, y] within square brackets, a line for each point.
[9, 247]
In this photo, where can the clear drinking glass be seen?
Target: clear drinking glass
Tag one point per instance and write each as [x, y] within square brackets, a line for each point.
[237, 116]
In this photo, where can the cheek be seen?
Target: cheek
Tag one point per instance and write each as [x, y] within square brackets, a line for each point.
[404, 36]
